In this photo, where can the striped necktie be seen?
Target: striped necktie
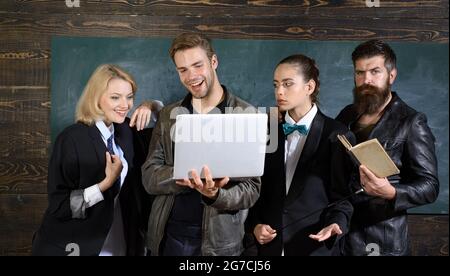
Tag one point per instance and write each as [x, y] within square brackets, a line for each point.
[115, 188]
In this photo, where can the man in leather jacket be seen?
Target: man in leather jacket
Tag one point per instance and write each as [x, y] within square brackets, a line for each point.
[379, 223]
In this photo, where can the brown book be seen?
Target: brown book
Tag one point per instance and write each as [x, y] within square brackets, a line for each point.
[372, 155]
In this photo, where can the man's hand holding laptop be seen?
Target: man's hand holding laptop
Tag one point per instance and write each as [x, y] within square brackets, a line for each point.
[208, 187]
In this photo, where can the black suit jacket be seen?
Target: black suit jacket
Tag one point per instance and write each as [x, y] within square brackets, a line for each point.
[320, 178]
[78, 162]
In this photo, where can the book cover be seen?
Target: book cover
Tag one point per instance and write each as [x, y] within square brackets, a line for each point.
[371, 154]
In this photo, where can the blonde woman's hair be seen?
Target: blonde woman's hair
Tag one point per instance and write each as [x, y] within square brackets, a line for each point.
[88, 107]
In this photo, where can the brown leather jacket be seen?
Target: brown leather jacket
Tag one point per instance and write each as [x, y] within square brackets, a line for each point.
[223, 224]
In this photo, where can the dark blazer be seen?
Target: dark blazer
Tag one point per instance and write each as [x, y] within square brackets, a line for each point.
[77, 162]
[319, 179]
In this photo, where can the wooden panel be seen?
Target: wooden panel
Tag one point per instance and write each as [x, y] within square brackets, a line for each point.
[32, 41]
[25, 115]
[20, 216]
[429, 235]
[24, 62]
[22, 141]
[15, 26]
[238, 8]
[25, 105]
[23, 176]
[24, 121]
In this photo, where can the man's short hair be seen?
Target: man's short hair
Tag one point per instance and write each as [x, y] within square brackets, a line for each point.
[376, 47]
[191, 40]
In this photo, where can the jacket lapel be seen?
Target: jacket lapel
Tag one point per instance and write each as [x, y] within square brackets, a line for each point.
[309, 149]
[123, 138]
[99, 145]
[385, 122]
[278, 157]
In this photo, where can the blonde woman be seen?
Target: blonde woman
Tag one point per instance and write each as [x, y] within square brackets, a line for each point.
[95, 201]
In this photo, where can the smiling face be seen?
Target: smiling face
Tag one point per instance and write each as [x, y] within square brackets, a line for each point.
[196, 71]
[117, 101]
[291, 91]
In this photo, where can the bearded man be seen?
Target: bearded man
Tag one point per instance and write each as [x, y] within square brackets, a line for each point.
[379, 223]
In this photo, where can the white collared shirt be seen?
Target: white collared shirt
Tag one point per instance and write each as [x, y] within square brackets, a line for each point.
[294, 144]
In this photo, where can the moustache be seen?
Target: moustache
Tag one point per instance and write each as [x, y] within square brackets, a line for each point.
[366, 89]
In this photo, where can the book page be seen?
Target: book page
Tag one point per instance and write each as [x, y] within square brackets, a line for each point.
[373, 156]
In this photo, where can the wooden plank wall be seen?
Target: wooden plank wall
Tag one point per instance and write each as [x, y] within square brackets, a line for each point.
[26, 28]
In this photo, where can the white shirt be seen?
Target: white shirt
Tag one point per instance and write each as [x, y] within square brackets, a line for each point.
[294, 144]
[114, 244]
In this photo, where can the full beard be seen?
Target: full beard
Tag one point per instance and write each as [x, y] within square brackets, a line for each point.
[368, 99]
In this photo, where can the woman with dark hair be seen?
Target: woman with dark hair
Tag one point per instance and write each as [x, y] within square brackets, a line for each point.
[305, 174]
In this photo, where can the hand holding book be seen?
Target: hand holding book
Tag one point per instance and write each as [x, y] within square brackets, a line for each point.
[372, 155]
[375, 186]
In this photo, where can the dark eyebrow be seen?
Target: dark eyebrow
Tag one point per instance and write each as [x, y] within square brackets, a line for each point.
[359, 70]
[193, 64]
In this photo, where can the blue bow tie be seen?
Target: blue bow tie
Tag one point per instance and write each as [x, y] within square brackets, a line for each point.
[289, 128]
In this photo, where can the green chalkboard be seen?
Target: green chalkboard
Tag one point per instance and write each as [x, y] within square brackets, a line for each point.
[246, 67]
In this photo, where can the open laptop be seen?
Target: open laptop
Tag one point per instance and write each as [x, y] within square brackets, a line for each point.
[232, 145]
